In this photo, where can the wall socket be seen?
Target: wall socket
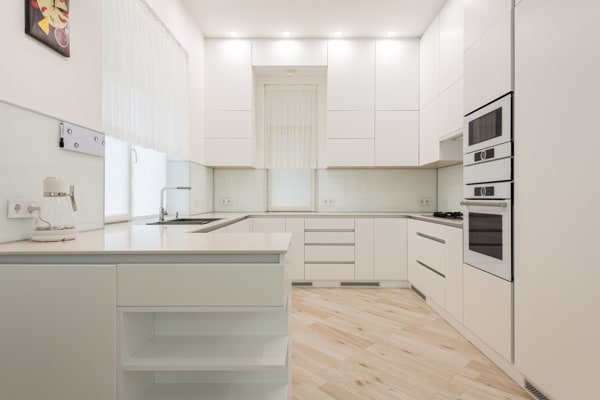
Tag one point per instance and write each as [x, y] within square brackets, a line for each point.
[328, 202]
[424, 201]
[19, 208]
[225, 201]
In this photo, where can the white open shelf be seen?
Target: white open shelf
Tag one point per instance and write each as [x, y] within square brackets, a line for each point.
[210, 353]
[211, 391]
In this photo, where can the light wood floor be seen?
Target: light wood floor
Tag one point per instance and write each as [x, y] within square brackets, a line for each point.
[383, 344]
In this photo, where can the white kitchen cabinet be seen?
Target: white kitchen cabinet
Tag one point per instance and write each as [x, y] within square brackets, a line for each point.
[229, 152]
[351, 75]
[451, 109]
[429, 63]
[397, 74]
[228, 74]
[226, 124]
[397, 138]
[268, 225]
[454, 272]
[488, 57]
[58, 332]
[295, 256]
[451, 43]
[488, 305]
[364, 249]
[289, 52]
[337, 272]
[350, 152]
[429, 117]
[329, 253]
[330, 224]
[351, 124]
[390, 249]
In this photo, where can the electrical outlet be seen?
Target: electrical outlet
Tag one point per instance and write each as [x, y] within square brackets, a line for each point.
[424, 201]
[20, 208]
[328, 202]
[225, 202]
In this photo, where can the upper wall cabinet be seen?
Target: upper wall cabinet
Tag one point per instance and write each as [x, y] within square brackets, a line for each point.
[488, 52]
[451, 43]
[228, 74]
[430, 63]
[397, 75]
[289, 52]
[351, 75]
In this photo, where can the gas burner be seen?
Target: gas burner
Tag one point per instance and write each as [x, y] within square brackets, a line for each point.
[448, 215]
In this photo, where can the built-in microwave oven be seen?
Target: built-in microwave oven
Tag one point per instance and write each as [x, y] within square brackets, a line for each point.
[489, 126]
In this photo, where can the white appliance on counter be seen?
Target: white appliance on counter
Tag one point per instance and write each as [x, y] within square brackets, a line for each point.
[54, 220]
[488, 189]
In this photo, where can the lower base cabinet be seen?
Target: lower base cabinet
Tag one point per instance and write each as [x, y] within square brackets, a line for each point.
[58, 332]
[488, 309]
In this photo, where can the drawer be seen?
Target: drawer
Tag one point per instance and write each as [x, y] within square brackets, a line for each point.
[340, 254]
[194, 285]
[329, 237]
[330, 271]
[329, 223]
[430, 252]
[429, 283]
[435, 231]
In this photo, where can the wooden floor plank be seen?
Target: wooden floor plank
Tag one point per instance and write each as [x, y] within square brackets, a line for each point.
[353, 344]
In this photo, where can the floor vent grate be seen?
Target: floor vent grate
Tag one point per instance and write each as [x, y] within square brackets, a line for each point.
[302, 284]
[371, 284]
[535, 392]
[418, 292]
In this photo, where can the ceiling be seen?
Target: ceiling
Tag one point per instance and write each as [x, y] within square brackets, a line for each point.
[313, 18]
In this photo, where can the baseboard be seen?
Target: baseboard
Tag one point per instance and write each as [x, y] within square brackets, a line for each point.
[365, 284]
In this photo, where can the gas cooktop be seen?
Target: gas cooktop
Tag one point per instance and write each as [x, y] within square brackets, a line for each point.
[448, 215]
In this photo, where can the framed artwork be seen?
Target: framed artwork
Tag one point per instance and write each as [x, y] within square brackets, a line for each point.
[48, 22]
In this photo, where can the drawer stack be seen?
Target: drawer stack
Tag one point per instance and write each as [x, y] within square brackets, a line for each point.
[329, 248]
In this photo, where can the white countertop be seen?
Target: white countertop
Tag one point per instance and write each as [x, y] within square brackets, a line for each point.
[139, 238]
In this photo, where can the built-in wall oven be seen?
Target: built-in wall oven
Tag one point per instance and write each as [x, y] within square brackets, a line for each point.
[488, 189]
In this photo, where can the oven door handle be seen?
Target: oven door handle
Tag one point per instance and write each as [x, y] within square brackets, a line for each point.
[502, 204]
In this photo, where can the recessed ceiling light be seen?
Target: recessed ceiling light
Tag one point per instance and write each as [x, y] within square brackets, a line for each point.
[339, 34]
[286, 34]
[391, 33]
[233, 34]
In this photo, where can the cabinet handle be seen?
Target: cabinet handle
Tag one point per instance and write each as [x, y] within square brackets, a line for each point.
[501, 204]
[431, 269]
[442, 241]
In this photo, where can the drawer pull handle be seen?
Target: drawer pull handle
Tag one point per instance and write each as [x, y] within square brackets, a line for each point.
[442, 241]
[431, 269]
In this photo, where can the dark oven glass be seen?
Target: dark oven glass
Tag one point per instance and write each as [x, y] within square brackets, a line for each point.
[485, 234]
[486, 127]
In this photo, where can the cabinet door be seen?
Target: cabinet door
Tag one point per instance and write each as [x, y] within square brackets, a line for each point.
[351, 75]
[454, 272]
[295, 256]
[397, 138]
[390, 249]
[268, 225]
[58, 332]
[351, 124]
[363, 250]
[228, 74]
[480, 16]
[451, 43]
[397, 74]
[429, 148]
[229, 152]
[350, 152]
[451, 109]
[429, 75]
[229, 124]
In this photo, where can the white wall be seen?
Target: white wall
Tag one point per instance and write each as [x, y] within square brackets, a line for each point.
[36, 77]
[199, 199]
[29, 153]
[450, 188]
[175, 15]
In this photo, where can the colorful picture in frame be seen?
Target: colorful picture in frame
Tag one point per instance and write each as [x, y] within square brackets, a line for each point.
[48, 22]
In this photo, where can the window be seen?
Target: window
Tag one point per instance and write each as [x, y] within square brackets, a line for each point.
[117, 176]
[291, 125]
[291, 190]
[148, 177]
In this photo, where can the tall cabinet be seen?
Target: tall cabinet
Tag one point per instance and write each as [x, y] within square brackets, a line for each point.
[229, 110]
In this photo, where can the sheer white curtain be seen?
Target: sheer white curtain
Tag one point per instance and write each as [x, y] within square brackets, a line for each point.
[291, 123]
[145, 80]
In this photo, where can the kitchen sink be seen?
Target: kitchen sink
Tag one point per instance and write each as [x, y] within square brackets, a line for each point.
[186, 221]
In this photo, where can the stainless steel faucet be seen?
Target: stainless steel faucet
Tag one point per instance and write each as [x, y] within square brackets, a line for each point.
[162, 211]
